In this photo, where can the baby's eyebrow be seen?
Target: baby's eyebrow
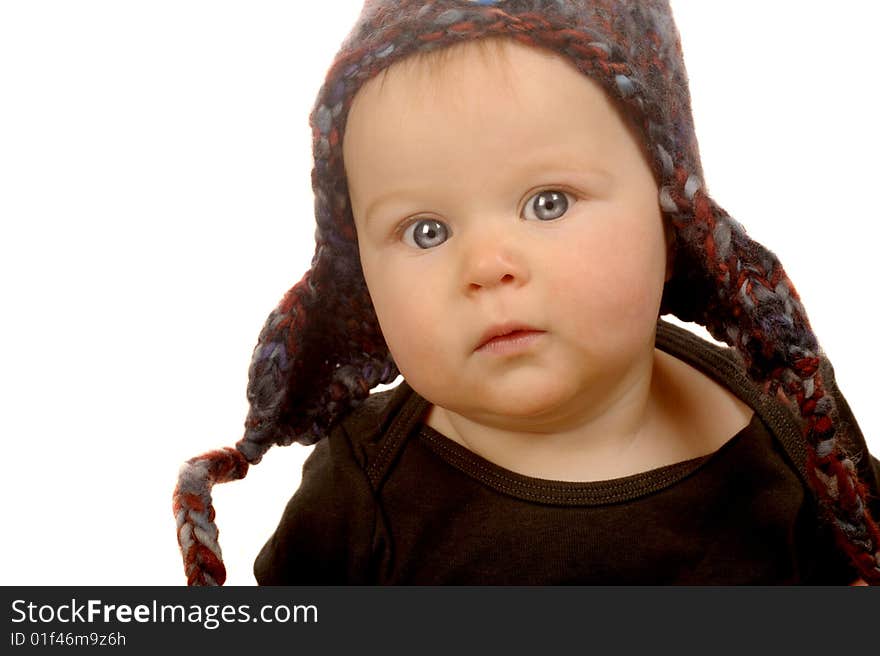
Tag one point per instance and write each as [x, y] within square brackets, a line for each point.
[592, 175]
[388, 197]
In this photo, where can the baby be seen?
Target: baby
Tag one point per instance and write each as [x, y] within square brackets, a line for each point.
[509, 197]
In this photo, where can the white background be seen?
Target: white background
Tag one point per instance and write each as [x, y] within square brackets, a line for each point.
[156, 204]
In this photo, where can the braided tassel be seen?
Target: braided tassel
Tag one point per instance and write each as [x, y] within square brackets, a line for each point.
[758, 311]
[196, 531]
[287, 369]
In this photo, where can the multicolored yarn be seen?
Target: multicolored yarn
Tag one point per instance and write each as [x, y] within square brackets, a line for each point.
[196, 531]
[321, 351]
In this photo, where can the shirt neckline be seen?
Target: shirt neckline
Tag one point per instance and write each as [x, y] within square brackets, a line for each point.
[580, 493]
[406, 410]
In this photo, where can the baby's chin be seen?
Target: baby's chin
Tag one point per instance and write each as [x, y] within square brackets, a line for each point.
[538, 412]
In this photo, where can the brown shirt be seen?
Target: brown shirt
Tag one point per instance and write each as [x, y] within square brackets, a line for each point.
[385, 499]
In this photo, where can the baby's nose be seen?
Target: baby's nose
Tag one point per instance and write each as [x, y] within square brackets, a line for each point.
[492, 261]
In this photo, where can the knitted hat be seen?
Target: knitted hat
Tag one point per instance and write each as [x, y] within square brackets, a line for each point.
[321, 351]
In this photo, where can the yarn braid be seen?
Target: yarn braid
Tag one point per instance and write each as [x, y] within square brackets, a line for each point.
[196, 531]
[281, 411]
[759, 313]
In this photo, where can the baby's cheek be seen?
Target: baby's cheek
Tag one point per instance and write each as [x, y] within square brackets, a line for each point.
[613, 288]
[600, 278]
[411, 324]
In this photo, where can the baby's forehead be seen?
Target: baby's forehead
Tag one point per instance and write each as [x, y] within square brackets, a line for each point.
[501, 59]
[433, 85]
[494, 91]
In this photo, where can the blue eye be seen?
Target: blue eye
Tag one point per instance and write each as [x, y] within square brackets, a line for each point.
[547, 205]
[425, 233]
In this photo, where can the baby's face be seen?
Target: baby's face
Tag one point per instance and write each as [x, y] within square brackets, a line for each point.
[504, 195]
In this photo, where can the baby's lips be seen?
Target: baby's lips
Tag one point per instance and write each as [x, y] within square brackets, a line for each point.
[499, 329]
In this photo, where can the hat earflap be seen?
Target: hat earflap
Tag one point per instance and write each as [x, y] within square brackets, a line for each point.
[318, 355]
[739, 291]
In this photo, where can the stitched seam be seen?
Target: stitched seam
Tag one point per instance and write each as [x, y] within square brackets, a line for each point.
[609, 492]
[721, 368]
[396, 435]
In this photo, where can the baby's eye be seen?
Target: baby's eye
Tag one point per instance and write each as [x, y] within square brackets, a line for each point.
[547, 205]
[425, 233]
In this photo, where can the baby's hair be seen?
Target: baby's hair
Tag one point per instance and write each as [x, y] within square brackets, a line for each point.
[321, 351]
[435, 63]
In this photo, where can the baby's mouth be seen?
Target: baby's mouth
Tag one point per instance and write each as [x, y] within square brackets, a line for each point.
[505, 336]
